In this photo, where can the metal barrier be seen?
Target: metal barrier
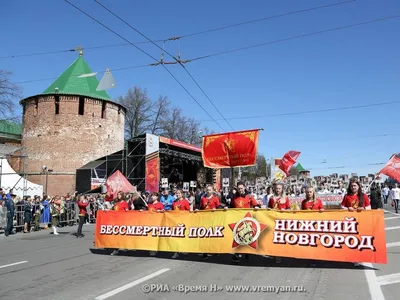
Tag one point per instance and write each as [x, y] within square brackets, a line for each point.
[3, 217]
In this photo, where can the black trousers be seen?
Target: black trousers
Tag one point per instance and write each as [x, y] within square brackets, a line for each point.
[81, 222]
[9, 226]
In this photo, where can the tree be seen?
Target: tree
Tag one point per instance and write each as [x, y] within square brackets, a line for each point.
[258, 170]
[9, 92]
[139, 106]
[161, 110]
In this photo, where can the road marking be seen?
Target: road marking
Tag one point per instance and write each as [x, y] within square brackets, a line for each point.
[373, 285]
[392, 228]
[130, 285]
[392, 218]
[14, 264]
[391, 245]
[390, 212]
[389, 279]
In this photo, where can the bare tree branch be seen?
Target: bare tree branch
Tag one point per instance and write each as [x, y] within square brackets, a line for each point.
[9, 92]
[138, 112]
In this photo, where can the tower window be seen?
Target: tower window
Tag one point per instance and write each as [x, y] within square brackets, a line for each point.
[36, 106]
[103, 110]
[81, 109]
[57, 104]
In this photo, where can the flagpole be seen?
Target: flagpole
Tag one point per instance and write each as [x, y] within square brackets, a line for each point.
[369, 186]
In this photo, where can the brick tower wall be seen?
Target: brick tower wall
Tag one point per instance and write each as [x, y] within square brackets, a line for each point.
[60, 135]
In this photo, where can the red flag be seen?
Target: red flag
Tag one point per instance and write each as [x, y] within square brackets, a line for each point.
[231, 149]
[117, 182]
[392, 168]
[288, 160]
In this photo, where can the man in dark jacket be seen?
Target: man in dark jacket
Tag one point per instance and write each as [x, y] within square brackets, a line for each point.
[375, 196]
[10, 215]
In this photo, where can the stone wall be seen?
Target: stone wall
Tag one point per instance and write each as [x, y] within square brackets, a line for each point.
[61, 136]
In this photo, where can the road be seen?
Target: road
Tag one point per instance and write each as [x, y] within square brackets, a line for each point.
[43, 266]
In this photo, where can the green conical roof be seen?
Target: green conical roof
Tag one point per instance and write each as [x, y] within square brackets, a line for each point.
[70, 83]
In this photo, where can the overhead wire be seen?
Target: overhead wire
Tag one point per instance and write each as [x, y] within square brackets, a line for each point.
[293, 38]
[311, 111]
[144, 52]
[189, 34]
[176, 59]
[244, 48]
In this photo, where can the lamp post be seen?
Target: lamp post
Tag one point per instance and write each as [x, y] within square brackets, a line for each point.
[46, 171]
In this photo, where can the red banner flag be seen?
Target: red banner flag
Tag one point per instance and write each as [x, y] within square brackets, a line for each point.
[117, 182]
[392, 168]
[232, 149]
[288, 160]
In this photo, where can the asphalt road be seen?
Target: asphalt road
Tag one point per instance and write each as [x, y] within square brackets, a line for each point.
[43, 266]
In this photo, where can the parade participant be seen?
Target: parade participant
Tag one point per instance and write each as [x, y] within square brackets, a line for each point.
[243, 199]
[209, 201]
[55, 213]
[278, 200]
[180, 203]
[120, 203]
[355, 199]
[82, 205]
[311, 202]
[166, 199]
[9, 203]
[155, 205]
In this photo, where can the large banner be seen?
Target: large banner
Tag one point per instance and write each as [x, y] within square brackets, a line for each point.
[330, 235]
[232, 149]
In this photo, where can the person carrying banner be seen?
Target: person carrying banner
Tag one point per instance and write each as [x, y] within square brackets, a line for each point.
[180, 203]
[243, 199]
[154, 204]
[166, 199]
[209, 201]
[311, 202]
[355, 199]
[279, 200]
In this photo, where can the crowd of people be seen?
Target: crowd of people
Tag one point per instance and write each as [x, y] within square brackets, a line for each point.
[31, 213]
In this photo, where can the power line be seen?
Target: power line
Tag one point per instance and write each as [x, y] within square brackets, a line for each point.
[294, 37]
[172, 75]
[243, 48]
[187, 35]
[312, 111]
[176, 59]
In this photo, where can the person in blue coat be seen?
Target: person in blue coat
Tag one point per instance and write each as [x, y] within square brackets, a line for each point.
[45, 217]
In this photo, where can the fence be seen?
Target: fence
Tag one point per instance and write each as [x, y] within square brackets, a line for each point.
[68, 216]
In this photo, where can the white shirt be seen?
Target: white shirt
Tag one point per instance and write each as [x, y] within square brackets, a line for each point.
[396, 193]
[385, 191]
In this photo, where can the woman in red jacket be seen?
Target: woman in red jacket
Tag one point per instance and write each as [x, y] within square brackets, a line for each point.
[82, 204]
[279, 200]
[311, 202]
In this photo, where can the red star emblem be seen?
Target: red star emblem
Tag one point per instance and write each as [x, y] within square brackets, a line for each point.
[246, 231]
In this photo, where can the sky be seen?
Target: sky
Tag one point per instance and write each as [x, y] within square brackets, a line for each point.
[265, 87]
